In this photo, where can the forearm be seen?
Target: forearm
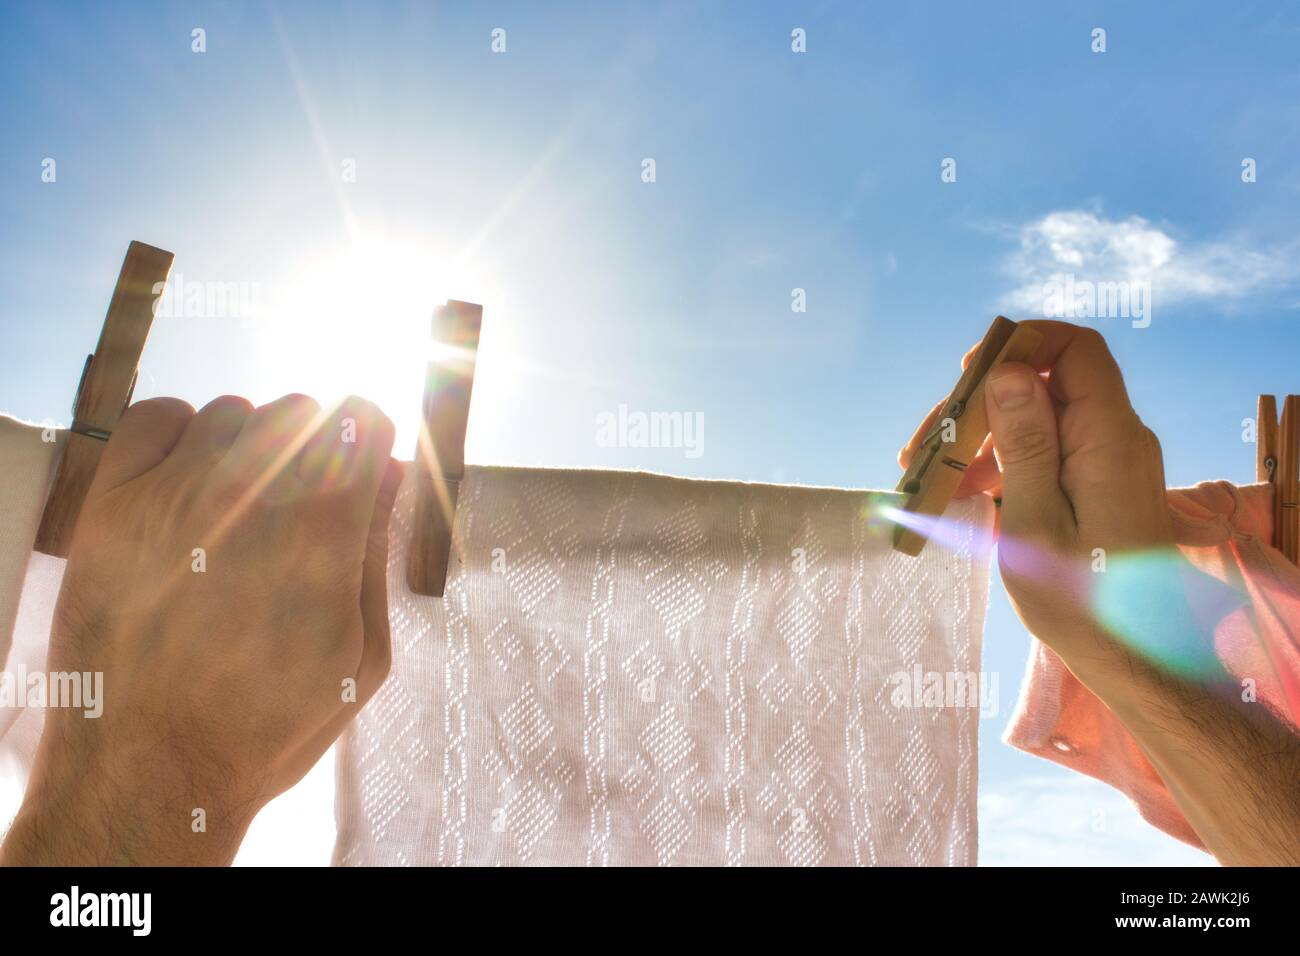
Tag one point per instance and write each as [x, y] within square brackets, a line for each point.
[80, 811]
[84, 830]
[1231, 766]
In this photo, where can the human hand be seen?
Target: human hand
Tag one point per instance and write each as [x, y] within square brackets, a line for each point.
[227, 576]
[1086, 551]
[1080, 479]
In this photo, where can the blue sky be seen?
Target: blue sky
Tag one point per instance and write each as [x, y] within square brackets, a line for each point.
[514, 179]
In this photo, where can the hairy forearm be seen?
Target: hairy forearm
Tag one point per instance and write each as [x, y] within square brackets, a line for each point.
[1231, 766]
[82, 809]
[90, 829]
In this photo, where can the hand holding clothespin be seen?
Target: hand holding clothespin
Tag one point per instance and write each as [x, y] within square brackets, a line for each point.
[108, 380]
[107, 383]
[959, 430]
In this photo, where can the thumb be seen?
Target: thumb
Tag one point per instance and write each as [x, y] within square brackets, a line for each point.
[1022, 419]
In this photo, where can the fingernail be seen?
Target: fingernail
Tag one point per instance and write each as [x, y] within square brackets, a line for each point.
[1012, 389]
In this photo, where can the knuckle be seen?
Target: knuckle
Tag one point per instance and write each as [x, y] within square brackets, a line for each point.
[1151, 441]
[229, 404]
[357, 409]
[295, 404]
[1137, 444]
[1025, 441]
[368, 414]
[1093, 339]
[152, 409]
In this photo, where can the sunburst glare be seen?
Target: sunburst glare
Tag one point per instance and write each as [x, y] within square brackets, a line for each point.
[358, 322]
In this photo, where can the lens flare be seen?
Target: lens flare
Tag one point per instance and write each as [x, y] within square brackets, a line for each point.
[1154, 602]
[953, 535]
[1165, 610]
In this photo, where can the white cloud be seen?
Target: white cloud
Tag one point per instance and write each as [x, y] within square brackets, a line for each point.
[1071, 820]
[1091, 248]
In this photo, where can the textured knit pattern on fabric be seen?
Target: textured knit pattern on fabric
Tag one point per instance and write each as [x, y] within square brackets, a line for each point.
[635, 669]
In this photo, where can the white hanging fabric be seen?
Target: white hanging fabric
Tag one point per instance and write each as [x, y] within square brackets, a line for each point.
[634, 669]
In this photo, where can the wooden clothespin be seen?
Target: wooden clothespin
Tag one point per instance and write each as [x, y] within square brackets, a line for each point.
[107, 382]
[440, 459]
[960, 429]
[1277, 461]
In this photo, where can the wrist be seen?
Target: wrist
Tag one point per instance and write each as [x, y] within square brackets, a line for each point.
[117, 829]
[80, 812]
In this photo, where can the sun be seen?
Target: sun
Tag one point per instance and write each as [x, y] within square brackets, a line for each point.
[357, 321]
